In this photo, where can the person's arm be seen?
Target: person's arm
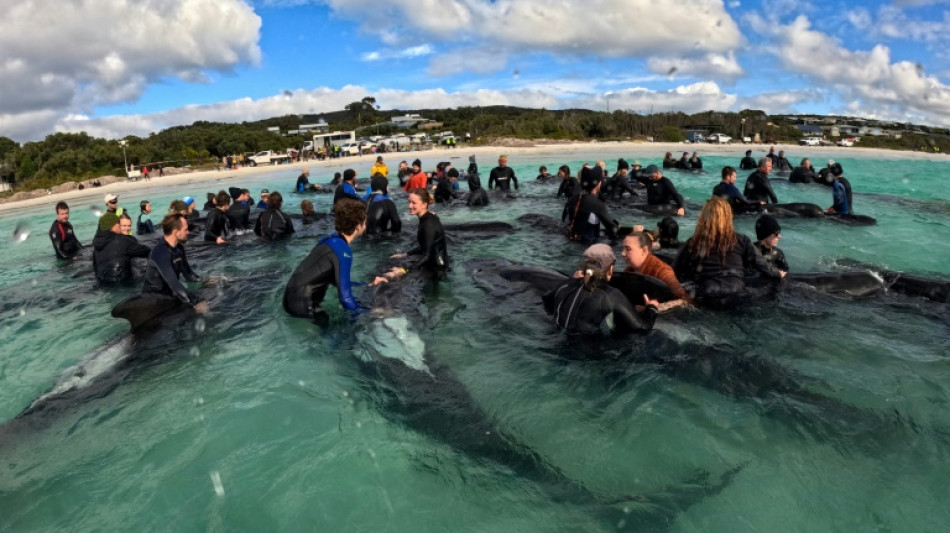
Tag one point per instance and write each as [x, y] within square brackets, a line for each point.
[137, 249]
[751, 257]
[288, 224]
[672, 192]
[491, 179]
[162, 260]
[57, 234]
[610, 225]
[626, 319]
[768, 189]
[342, 262]
[427, 244]
[512, 177]
[683, 266]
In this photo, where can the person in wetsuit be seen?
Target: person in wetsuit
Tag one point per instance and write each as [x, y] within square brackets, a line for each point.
[543, 175]
[757, 186]
[668, 161]
[569, 184]
[444, 194]
[145, 225]
[274, 224]
[472, 166]
[716, 258]
[167, 262]
[403, 173]
[431, 249]
[695, 162]
[618, 184]
[347, 189]
[768, 232]
[502, 175]
[381, 213]
[262, 204]
[303, 181]
[683, 162]
[727, 190]
[747, 162]
[781, 163]
[589, 306]
[668, 230]
[239, 213]
[329, 263]
[585, 212]
[477, 196]
[803, 174]
[65, 243]
[216, 224]
[841, 195]
[661, 191]
[113, 250]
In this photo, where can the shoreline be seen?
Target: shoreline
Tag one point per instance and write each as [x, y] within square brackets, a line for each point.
[510, 147]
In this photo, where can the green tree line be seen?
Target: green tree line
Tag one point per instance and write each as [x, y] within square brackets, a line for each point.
[65, 157]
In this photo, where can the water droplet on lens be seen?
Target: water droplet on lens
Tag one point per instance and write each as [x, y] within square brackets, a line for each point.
[301, 383]
[195, 352]
[95, 211]
[200, 325]
[21, 232]
[22, 312]
[905, 181]
[359, 424]
[34, 283]
[199, 401]
[346, 393]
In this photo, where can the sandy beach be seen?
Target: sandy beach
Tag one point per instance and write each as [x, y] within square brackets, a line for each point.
[652, 152]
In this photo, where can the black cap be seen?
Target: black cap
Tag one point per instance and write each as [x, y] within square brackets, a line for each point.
[417, 163]
[669, 229]
[652, 169]
[622, 164]
[748, 152]
[766, 226]
[453, 173]
[349, 174]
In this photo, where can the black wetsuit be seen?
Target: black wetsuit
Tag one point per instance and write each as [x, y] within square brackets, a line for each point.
[669, 163]
[782, 164]
[569, 187]
[382, 215]
[112, 256]
[239, 215]
[748, 163]
[773, 256]
[65, 243]
[683, 163]
[662, 192]
[144, 227]
[584, 214]
[327, 264]
[720, 280]
[403, 175]
[614, 188]
[476, 195]
[504, 177]
[739, 203]
[165, 264]
[759, 189]
[216, 225]
[696, 163]
[345, 190]
[601, 310]
[302, 183]
[802, 175]
[431, 245]
[274, 224]
[443, 191]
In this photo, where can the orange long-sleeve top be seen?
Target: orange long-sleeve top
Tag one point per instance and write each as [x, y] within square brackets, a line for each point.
[656, 268]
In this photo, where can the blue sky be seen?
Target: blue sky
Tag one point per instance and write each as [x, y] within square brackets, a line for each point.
[168, 62]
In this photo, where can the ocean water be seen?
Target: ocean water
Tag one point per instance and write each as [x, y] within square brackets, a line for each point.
[811, 413]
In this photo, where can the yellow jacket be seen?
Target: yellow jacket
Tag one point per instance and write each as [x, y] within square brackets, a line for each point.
[381, 168]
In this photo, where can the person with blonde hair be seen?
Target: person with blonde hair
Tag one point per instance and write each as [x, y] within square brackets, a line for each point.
[716, 258]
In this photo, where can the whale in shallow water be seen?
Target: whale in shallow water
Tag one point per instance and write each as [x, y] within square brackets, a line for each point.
[419, 391]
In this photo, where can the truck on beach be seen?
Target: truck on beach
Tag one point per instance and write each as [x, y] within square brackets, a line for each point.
[269, 157]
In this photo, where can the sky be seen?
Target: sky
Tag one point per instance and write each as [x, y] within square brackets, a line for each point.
[114, 68]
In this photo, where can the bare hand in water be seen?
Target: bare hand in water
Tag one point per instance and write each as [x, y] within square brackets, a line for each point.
[201, 308]
[397, 256]
[648, 301]
[378, 280]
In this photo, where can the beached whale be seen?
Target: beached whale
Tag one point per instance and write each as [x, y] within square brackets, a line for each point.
[419, 391]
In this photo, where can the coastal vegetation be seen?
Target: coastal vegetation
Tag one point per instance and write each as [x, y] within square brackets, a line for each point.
[63, 157]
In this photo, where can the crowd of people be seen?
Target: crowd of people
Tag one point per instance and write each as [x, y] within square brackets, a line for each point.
[716, 261]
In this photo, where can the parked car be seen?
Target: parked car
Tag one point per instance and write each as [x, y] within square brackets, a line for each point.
[350, 149]
[719, 138]
[846, 142]
[810, 141]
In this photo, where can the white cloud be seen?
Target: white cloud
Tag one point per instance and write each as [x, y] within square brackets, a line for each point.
[605, 28]
[869, 80]
[405, 53]
[891, 22]
[62, 57]
[715, 66]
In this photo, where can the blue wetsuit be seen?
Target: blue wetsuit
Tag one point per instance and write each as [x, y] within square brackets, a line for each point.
[165, 264]
[842, 204]
[328, 263]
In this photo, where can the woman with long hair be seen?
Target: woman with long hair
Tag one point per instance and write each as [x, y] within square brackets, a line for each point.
[716, 257]
[433, 255]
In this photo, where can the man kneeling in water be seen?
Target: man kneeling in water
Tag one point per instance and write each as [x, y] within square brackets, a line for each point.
[329, 264]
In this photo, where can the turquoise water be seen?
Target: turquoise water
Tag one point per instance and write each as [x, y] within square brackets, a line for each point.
[249, 420]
